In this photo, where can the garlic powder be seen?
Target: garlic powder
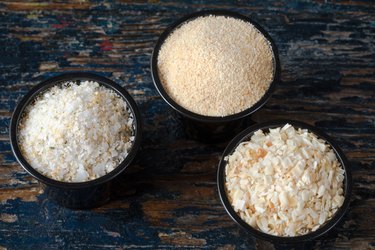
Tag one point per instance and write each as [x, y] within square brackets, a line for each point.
[286, 182]
[76, 132]
[216, 65]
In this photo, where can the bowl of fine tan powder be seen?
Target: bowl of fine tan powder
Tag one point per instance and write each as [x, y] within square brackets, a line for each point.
[215, 68]
[284, 181]
[75, 133]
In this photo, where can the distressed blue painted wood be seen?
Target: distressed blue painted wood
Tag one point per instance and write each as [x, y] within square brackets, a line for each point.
[168, 197]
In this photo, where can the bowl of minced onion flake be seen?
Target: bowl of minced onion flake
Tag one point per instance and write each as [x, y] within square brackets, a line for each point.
[74, 133]
[284, 181]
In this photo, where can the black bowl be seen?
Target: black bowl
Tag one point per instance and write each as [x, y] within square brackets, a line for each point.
[212, 128]
[246, 135]
[87, 194]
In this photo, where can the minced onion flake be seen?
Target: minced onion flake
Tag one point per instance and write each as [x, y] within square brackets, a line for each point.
[286, 182]
[76, 132]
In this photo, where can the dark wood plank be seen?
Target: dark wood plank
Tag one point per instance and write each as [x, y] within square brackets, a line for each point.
[168, 197]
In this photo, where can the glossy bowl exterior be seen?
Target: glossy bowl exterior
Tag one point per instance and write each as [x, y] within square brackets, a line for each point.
[213, 128]
[246, 135]
[81, 194]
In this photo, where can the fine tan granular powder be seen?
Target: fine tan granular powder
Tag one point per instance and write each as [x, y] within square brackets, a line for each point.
[216, 65]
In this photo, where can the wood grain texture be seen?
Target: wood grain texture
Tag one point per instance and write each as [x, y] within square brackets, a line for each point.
[168, 197]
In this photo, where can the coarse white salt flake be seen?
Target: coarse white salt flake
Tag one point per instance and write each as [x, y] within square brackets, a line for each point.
[76, 132]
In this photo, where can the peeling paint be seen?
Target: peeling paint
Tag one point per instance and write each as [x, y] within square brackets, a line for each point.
[8, 218]
[181, 239]
[25, 194]
[112, 234]
[60, 25]
[106, 45]
[44, 66]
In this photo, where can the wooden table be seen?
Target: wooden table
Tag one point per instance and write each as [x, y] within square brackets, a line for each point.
[168, 197]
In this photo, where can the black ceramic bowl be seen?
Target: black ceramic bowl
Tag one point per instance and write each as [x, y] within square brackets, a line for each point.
[245, 136]
[87, 194]
[212, 128]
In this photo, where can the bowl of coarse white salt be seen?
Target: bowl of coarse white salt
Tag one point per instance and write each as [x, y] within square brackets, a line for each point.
[215, 68]
[284, 181]
[74, 133]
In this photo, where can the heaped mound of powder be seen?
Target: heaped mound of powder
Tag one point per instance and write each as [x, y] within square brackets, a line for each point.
[76, 132]
[216, 65]
[286, 182]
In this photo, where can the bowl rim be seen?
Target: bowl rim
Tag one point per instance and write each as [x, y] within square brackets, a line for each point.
[245, 135]
[212, 119]
[57, 80]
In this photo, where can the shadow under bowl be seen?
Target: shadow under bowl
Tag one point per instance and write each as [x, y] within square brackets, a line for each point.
[78, 195]
[245, 136]
[213, 129]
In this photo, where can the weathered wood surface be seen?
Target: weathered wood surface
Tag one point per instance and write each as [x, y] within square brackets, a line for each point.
[168, 197]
